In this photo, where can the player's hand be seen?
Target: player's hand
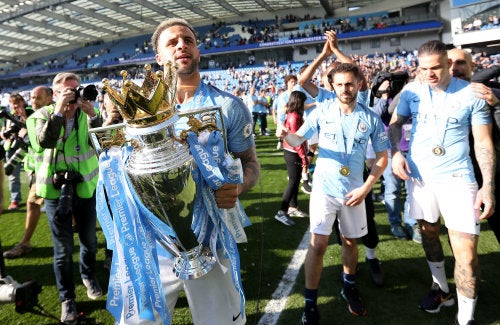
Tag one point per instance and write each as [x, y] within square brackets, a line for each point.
[355, 197]
[281, 131]
[400, 166]
[227, 195]
[484, 92]
[485, 203]
[332, 41]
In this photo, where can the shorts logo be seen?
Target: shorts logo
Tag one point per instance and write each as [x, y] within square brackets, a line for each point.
[236, 317]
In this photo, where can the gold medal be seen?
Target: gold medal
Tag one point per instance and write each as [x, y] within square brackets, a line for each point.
[438, 150]
[344, 171]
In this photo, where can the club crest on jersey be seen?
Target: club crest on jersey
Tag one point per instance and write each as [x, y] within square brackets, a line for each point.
[362, 127]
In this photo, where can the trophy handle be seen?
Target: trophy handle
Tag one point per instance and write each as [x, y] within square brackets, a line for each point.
[200, 113]
[105, 137]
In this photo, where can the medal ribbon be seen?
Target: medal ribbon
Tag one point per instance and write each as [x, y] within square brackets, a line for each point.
[210, 146]
[134, 285]
[440, 120]
[345, 148]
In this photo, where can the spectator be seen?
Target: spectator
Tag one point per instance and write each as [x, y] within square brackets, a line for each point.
[12, 135]
[295, 159]
[40, 97]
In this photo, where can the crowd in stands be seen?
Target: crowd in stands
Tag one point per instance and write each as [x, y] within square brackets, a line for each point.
[217, 35]
[258, 31]
[479, 23]
[270, 74]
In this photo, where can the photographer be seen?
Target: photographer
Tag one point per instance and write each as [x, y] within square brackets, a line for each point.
[67, 170]
[386, 87]
[40, 96]
[15, 143]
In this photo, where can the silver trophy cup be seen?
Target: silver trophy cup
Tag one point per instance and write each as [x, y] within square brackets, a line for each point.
[160, 165]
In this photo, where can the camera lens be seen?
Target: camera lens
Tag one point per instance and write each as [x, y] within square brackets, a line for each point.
[89, 93]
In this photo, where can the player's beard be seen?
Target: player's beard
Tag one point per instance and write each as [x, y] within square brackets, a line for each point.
[191, 68]
[348, 100]
[458, 75]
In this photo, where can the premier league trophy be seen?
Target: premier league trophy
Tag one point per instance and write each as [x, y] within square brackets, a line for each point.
[150, 190]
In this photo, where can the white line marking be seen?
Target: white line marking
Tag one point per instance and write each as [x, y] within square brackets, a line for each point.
[280, 295]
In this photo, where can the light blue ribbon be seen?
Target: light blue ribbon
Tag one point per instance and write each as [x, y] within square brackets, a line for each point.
[135, 229]
[210, 171]
[131, 228]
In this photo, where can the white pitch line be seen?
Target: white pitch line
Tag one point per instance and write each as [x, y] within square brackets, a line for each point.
[280, 295]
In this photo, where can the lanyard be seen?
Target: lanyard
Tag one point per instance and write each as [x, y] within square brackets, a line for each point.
[345, 147]
[439, 110]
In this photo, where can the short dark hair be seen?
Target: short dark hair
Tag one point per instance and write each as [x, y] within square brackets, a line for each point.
[346, 68]
[289, 77]
[15, 97]
[432, 47]
[167, 24]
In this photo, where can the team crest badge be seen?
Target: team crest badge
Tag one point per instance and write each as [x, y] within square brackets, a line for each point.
[362, 127]
[247, 130]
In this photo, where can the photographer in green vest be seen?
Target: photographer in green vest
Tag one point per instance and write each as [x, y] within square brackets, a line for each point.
[67, 170]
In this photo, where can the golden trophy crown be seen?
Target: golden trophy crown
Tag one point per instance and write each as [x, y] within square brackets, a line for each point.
[149, 104]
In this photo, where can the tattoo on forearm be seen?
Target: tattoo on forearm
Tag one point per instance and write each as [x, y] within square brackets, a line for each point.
[251, 168]
[486, 160]
[394, 132]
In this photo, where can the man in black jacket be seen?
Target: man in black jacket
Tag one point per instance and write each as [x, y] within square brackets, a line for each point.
[462, 67]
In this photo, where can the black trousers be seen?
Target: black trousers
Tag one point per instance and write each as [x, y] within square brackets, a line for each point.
[262, 118]
[294, 169]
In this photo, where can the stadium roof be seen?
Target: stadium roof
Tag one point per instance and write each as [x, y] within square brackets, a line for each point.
[32, 27]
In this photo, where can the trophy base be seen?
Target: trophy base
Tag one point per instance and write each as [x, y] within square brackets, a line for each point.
[194, 263]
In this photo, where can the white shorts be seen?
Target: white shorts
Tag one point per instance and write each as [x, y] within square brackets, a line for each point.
[370, 153]
[212, 298]
[324, 209]
[454, 201]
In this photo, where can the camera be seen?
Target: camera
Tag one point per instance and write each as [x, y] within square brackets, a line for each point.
[20, 145]
[13, 130]
[397, 81]
[26, 296]
[88, 92]
[21, 148]
[65, 182]
[15, 126]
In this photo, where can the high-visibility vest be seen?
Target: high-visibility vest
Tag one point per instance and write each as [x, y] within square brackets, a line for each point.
[73, 153]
